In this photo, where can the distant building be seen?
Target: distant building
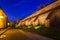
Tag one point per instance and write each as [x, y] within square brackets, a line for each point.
[3, 19]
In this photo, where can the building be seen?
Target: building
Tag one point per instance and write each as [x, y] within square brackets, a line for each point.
[3, 19]
[42, 14]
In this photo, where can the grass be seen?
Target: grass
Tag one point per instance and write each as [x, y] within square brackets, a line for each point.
[52, 32]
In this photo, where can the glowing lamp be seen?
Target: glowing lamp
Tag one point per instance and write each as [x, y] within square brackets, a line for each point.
[1, 17]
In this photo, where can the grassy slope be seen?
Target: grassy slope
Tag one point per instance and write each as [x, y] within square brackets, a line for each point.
[53, 32]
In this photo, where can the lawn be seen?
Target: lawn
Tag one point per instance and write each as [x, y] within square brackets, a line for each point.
[52, 32]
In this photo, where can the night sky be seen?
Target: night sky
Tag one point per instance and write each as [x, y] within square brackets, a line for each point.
[15, 9]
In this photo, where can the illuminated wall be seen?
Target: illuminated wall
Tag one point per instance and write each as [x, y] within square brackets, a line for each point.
[3, 19]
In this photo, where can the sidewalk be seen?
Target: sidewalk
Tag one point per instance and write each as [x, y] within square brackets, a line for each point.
[2, 31]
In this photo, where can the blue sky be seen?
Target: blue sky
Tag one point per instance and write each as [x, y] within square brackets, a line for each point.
[16, 9]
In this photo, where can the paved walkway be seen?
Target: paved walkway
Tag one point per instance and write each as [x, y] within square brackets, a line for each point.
[17, 34]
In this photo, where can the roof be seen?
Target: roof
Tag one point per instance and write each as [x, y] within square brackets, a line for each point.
[2, 13]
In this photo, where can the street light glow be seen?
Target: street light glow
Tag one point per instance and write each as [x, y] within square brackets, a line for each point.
[1, 17]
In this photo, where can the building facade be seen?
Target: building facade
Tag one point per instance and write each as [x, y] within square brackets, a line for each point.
[42, 14]
[3, 19]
